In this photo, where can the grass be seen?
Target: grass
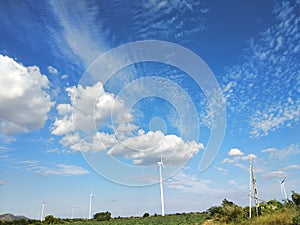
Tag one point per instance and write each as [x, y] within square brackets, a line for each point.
[283, 217]
[183, 219]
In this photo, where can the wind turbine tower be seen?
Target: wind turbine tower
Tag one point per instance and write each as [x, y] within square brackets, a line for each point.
[91, 200]
[160, 165]
[252, 189]
[283, 192]
[73, 210]
[42, 212]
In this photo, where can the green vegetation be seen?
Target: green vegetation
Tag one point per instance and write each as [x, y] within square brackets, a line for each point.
[270, 213]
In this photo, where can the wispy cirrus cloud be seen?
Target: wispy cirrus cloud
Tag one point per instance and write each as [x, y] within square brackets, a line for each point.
[292, 167]
[280, 154]
[58, 169]
[220, 169]
[167, 20]
[188, 183]
[274, 174]
[267, 82]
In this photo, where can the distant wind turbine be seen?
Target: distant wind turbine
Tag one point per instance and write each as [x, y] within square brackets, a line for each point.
[160, 165]
[43, 209]
[73, 211]
[282, 187]
[91, 200]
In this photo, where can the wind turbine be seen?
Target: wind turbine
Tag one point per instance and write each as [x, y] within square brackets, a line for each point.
[252, 188]
[91, 200]
[282, 187]
[73, 211]
[43, 209]
[160, 165]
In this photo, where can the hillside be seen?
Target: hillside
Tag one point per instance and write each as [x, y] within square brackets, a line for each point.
[11, 217]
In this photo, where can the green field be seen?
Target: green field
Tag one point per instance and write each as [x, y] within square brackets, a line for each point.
[183, 219]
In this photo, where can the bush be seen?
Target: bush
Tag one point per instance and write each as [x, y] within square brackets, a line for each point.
[146, 215]
[296, 220]
[102, 216]
[296, 198]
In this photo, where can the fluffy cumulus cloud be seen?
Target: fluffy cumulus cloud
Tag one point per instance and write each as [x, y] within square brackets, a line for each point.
[91, 108]
[236, 156]
[235, 152]
[99, 142]
[23, 98]
[148, 148]
[95, 120]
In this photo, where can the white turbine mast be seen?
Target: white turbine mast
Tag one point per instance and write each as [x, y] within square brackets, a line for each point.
[283, 192]
[73, 211]
[160, 165]
[42, 212]
[90, 210]
[252, 189]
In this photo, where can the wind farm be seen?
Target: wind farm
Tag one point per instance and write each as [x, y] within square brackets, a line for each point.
[149, 112]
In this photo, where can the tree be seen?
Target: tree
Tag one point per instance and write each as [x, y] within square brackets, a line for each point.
[296, 198]
[230, 211]
[49, 219]
[102, 216]
[146, 215]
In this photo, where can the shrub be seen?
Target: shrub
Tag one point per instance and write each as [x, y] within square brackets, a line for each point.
[102, 216]
[146, 215]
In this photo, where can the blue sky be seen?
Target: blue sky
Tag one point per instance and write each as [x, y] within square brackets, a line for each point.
[76, 117]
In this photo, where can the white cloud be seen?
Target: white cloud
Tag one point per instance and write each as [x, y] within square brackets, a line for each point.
[247, 158]
[235, 152]
[220, 169]
[274, 174]
[231, 160]
[52, 70]
[2, 182]
[264, 122]
[280, 154]
[292, 167]
[267, 150]
[58, 151]
[242, 166]
[238, 159]
[188, 183]
[81, 31]
[147, 149]
[59, 169]
[91, 106]
[267, 81]
[67, 170]
[155, 21]
[23, 99]
[98, 142]
[65, 76]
